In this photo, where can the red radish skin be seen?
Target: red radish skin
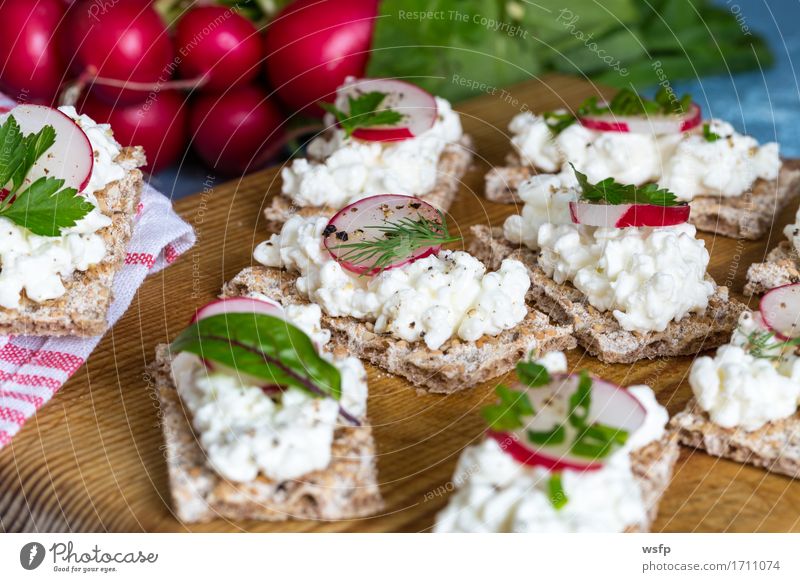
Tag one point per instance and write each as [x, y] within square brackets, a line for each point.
[627, 215]
[780, 310]
[375, 211]
[658, 124]
[231, 130]
[417, 106]
[70, 158]
[159, 125]
[123, 43]
[219, 45]
[33, 67]
[525, 456]
[311, 46]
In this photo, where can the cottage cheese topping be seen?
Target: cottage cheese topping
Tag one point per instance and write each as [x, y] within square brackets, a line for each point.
[497, 494]
[687, 164]
[246, 432]
[648, 277]
[792, 232]
[737, 389]
[39, 265]
[344, 170]
[432, 299]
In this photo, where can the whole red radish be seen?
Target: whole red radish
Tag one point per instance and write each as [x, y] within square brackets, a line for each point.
[159, 125]
[233, 131]
[123, 43]
[312, 45]
[217, 43]
[31, 64]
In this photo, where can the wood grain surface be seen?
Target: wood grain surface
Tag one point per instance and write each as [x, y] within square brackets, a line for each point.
[92, 459]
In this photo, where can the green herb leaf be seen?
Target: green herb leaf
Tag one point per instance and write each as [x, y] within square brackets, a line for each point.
[264, 347]
[509, 412]
[555, 490]
[532, 374]
[708, 134]
[581, 401]
[363, 112]
[597, 441]
[610, 192]
[44, 208]
[761, 345]
[554, 436]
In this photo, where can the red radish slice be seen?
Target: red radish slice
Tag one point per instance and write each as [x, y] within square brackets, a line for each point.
[625, 215]
[357, 222]
[70, 158]
[647, 124]
[239, 305]
[780, 310]
[610, 405]
[417, 106]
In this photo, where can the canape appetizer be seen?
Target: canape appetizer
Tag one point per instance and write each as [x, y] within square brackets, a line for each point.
[782, 265]
[617, 262]
[261, 421]
[564, 453]
[735, 185]
[392, 295]
[746, 397]
[66, 208]
[385, 135]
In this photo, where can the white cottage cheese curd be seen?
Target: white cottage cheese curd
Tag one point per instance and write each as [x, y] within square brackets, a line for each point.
[246, 433]
[737, 389]
[497, 494]
[343, 170]
[687, 164]
[432, 299]
[792, 232]
[39, 265]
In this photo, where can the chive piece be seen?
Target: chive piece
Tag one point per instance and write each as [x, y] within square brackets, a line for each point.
[555, 490]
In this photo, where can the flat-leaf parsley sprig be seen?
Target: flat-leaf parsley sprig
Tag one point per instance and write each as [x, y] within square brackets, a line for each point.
[43, 207]
[609, 191]
[364, 111]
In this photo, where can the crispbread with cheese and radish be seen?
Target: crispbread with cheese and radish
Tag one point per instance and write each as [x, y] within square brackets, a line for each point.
[346, 489]
[598, 332]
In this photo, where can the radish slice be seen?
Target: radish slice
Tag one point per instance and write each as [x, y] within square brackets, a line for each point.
[647, 124]
[417, 106]
[239, 305]
[780, 310]
[356, 222]
[70, 158]
[625, 215]
[610, 405]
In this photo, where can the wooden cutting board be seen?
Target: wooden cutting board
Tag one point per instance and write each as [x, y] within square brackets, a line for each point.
[93, 459]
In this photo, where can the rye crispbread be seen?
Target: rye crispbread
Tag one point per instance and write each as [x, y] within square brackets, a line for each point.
[599, 332]
[346, 489]
[652, 466]
[457, 365]
[781, 268]
[774, 447]
[748, 216]
[81, 311]
[453, 164]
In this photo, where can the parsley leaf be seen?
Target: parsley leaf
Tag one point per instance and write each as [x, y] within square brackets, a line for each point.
[555, 491]
[554, 436]
[532, 374]
[611, 192]
[580, 401]
[708, 134]
[363, 111]
[44, 207]
[508, 413]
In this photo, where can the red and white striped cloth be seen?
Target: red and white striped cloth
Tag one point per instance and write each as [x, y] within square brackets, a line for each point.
[33, 369]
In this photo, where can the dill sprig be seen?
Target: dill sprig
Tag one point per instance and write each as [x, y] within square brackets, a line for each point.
[760, 344]
[396, 240]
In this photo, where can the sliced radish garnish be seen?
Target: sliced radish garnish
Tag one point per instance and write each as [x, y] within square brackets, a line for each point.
[417, 106]
[361, 221]
[239, 305]
[610, 406]
[624, 215]
[780, 310]
[647, 124]
[70, 158]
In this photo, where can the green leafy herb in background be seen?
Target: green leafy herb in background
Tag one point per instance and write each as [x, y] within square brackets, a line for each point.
[479, 46]
[363, 111]
[43, 207]
[610, 192]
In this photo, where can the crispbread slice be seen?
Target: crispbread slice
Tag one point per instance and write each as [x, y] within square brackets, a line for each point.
[457, 365]
[748, 216]
[453, 164]
[652, 466]
[780, 268]
[346, 489]
[775, 446]
[81, 311]
[598, 332]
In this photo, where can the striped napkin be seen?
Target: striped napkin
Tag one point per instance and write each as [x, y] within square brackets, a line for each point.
[33, 369]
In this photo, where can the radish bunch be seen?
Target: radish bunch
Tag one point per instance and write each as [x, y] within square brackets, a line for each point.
[210, 78]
